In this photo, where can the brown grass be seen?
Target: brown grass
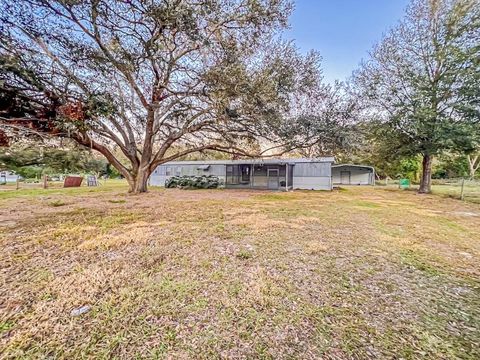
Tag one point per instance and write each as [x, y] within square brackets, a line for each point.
[362, 273]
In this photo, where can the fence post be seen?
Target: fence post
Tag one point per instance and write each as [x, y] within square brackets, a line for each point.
[17, 185]
[45, 184]
[462, 191]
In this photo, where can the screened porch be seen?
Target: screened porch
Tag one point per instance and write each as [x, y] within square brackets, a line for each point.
[259, 176]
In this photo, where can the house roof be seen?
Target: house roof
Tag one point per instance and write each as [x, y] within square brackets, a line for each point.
[292, 161]
[354, 166]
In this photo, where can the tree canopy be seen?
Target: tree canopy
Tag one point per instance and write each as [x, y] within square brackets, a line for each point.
[325, 123]
[421, 82]
[31, 162]
[157, 80]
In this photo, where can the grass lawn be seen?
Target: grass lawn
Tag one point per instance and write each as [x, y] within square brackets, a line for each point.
[471, 191]
[350, 274]
[453, 190]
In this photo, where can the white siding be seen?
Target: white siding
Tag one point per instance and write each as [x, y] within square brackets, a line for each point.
[312, 183]
[188, 169]
[9, 178]
[309, 169]
[157, 180]
[312, 176]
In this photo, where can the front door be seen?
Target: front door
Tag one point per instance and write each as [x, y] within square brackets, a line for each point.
[345, 177]
[272, 179]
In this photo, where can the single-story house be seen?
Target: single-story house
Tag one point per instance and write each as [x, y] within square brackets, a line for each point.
[348, 174]
[274, 174]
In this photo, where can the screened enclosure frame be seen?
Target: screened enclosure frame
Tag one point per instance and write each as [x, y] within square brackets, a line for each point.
[259, 176]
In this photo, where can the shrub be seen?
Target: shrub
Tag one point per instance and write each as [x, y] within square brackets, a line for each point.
[193, 182]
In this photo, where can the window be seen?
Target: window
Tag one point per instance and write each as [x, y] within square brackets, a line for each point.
[168, 171]
[232, 174]
[178, 171]
[202, 169]
[238, 174]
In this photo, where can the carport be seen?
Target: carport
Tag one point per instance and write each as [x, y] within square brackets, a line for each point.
[349, 174]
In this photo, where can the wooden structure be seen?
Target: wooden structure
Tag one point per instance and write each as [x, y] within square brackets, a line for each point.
[72, 181]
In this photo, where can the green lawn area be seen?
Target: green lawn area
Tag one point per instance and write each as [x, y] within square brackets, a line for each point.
[471, 191]
[452, 189]
[56, 188]
[351, 274]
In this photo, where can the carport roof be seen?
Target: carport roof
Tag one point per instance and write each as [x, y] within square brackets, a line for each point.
[354, 166]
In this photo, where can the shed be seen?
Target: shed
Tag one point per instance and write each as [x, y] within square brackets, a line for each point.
[349, 174]
[272, 174]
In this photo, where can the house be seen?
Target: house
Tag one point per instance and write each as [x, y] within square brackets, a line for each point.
[273, 174]
[348, 174]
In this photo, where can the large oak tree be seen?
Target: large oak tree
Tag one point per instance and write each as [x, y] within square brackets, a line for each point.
[325, 124]
[422, 82]
[156, 79]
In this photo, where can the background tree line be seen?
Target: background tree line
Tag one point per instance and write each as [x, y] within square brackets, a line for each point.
[199, 78]
[33, 162]
[420, 86]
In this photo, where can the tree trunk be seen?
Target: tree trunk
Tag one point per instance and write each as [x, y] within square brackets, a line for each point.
[139, 183]
[473, 165]
[426, 180]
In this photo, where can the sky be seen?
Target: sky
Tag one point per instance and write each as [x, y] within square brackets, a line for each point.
[343, 31]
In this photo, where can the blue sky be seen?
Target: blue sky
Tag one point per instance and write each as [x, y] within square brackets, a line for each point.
[343, 31]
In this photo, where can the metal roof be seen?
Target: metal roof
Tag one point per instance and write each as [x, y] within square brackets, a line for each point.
[292, 161]
[354, 166]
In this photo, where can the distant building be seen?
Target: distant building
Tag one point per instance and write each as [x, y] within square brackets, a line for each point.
[8, 177]
[273, 174]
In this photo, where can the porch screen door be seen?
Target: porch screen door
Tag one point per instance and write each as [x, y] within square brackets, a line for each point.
[272, 179]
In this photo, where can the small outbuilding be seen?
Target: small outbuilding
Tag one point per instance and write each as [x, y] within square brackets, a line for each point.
[348, 174]
[8, 177]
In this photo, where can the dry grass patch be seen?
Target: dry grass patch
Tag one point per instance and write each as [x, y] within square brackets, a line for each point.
[358, 273]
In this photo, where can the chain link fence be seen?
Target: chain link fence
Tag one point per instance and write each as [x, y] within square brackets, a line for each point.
[46, 182]
[462, 189]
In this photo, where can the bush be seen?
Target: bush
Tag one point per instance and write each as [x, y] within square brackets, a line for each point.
[193, 182]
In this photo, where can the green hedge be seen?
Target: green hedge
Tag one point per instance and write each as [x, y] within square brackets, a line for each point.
[193, 182]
